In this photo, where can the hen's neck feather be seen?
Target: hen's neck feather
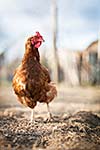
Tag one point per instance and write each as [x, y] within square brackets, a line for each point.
[31, 53]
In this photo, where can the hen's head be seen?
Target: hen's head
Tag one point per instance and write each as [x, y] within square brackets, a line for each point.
[36, 40]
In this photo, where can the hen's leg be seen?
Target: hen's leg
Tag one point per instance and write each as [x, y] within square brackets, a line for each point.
[32, 115]
[49, 113]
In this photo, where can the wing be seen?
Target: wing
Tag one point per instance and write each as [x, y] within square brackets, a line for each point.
[46, 73]
[19, 81]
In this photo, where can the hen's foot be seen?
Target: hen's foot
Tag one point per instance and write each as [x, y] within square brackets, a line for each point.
[50, 118]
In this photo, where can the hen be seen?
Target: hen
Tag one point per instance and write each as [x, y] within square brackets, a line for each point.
[31, 81]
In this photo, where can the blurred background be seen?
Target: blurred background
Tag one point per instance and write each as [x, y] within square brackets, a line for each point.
[71, 52]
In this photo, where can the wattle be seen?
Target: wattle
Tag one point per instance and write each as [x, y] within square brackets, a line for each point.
[37, 45]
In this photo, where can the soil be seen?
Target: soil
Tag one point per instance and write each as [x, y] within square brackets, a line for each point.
[80, 131]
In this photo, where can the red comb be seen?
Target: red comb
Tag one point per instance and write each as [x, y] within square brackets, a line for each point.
[38, 34]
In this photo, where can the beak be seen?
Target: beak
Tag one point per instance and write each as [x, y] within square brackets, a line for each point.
[43, 40]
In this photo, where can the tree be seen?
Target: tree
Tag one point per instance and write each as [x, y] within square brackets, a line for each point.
[54, 31]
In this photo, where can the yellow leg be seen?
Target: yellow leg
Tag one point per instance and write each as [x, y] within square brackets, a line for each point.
[32, 115]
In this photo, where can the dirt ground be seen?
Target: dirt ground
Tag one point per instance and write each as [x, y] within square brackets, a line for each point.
[76, 124]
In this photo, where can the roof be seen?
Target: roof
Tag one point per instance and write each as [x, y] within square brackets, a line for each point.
[93, 47]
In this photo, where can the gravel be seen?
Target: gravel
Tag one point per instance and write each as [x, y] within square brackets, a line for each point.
[80, 131]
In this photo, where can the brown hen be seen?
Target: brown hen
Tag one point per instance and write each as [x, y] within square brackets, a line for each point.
[31, 81]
